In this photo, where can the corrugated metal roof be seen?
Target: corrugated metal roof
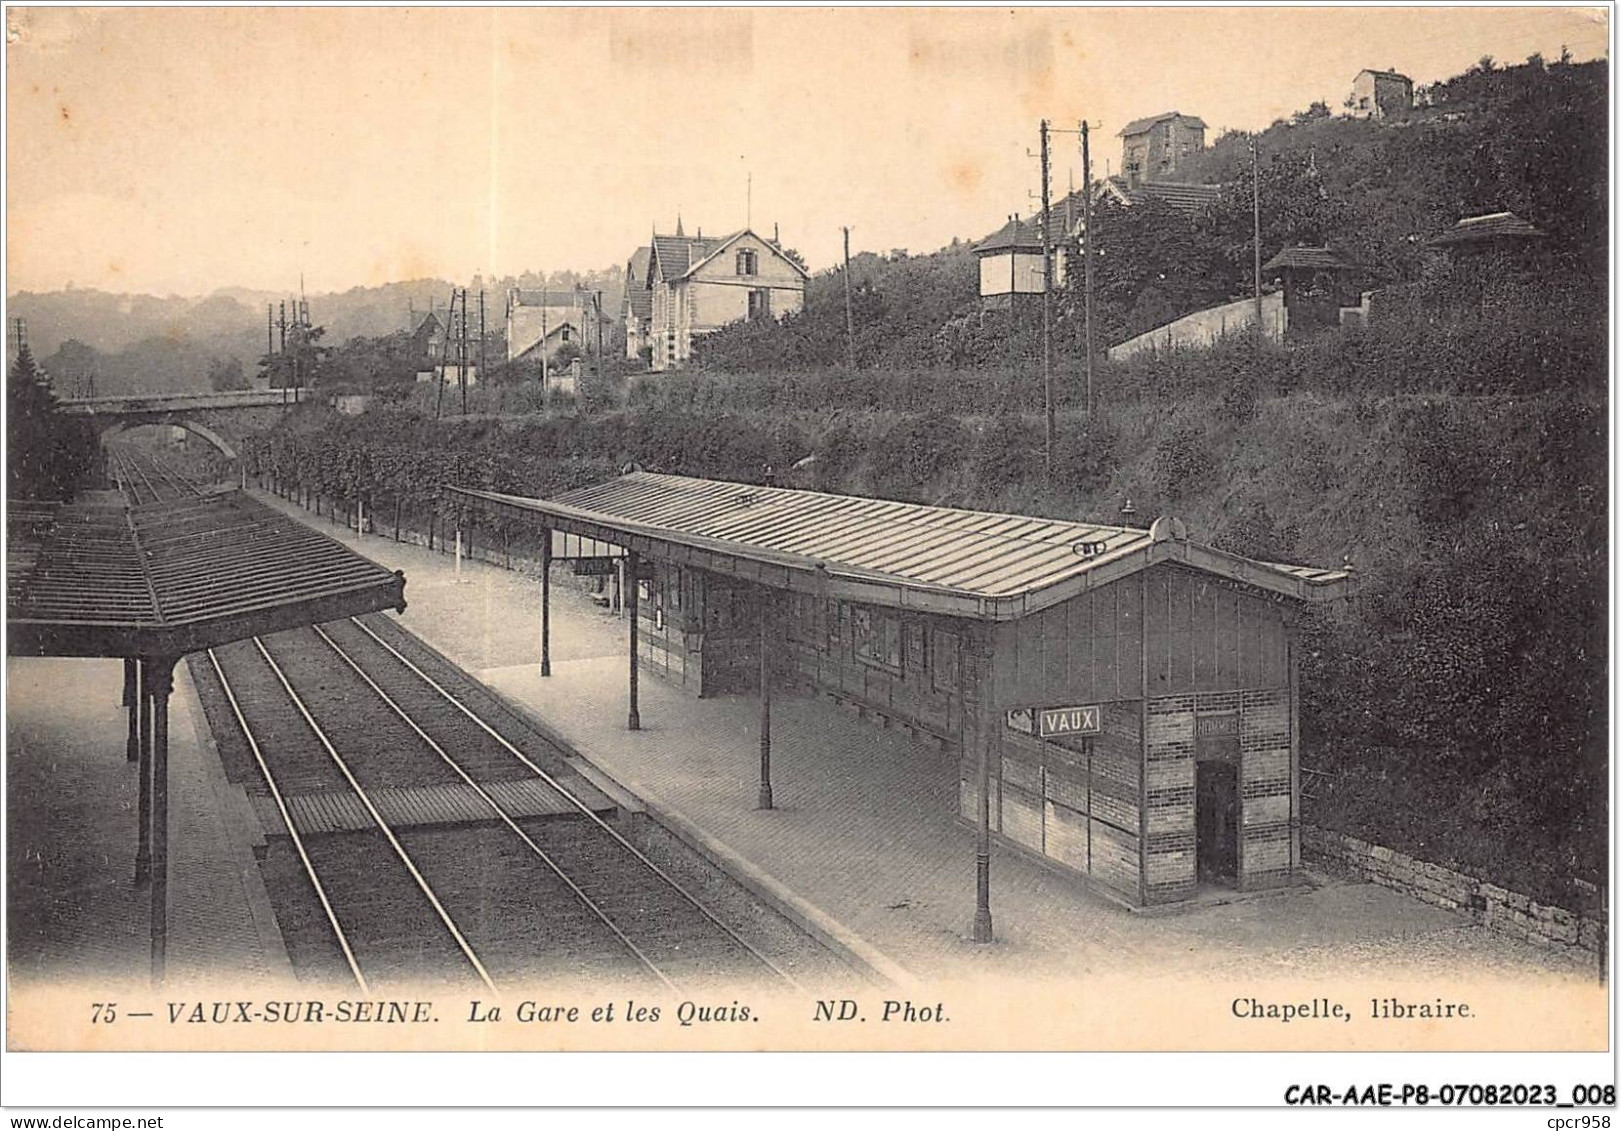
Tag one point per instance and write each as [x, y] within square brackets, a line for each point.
[997, 564]
[170, 578]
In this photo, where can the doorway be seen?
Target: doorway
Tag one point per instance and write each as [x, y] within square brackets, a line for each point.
[1216, 792]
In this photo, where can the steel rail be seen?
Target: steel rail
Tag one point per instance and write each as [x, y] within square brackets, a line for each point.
[582, 807]
[505, 817]
[182, 484]
[125, 473]
[388, 833]
[147, 479]
[292, 830]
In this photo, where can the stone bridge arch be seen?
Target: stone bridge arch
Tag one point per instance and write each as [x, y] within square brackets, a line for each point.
[195, 427]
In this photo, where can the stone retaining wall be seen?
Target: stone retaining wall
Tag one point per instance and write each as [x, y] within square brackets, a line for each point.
[1497, 909]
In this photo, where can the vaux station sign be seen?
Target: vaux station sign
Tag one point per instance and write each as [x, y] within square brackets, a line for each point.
[1053, 722]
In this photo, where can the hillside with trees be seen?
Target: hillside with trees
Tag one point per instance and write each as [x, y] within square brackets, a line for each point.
[147, 343]
[1528, 139]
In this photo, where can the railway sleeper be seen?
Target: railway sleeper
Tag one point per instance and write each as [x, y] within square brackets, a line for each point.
[407, 807]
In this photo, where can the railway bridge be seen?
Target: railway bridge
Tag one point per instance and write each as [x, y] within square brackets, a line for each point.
[214, 416]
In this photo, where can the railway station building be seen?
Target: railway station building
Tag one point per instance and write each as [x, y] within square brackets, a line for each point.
[1122, 703]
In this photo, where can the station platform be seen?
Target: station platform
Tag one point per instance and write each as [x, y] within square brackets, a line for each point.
[75, 915]
[864, 848]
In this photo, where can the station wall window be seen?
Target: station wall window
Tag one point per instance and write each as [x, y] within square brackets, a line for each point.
[837, 612]
[877, 638]
[802, 610]
[747, 263]
[947, 667]
[916, 653]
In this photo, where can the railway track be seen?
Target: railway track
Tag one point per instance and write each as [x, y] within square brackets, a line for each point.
[439, 839]
[144, 477]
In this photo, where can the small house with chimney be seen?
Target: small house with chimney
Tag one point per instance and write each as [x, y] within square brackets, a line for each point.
[1380, 94]
[1152, 148]
[697, 284]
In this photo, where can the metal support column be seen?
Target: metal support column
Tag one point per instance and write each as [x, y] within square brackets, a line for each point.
[765, 701]
[987, 726]
[633, 569]
[132, 747]
[162, 672]
[983, 931]
[143, 805]
[545, 601]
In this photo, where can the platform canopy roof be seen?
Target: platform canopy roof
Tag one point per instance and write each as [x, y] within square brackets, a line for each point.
[168, 579]
[935, 559]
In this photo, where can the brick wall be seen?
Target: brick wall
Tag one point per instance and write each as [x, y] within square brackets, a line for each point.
[1497, 909]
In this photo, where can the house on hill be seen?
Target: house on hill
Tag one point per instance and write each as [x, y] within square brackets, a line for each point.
[1181, 195]
[1010, 264]
[425, 335]
[1151, 148]
[697, 284]
[550, 317]
[1380, 94]
[636, 311]
[1069, 214]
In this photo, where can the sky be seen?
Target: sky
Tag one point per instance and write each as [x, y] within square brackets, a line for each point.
[180, 150]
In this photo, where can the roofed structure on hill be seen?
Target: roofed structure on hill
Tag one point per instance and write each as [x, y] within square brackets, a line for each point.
[1494, 227]
[1014, 235]
[1308, 259]
[1379, 94]
[1143, 125]
[1181, 195]
[1152, 148]
[1010, 263]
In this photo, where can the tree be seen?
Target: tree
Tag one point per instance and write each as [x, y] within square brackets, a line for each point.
[48, 454]
[226, 375]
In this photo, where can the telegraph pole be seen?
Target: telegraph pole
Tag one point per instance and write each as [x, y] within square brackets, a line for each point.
[1255, 205]
[849, 316]
[461, 355]
[482, 351]
[1086, 220]
[1047, 293]
[601, 371]
[444, 351]
[545, 369]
